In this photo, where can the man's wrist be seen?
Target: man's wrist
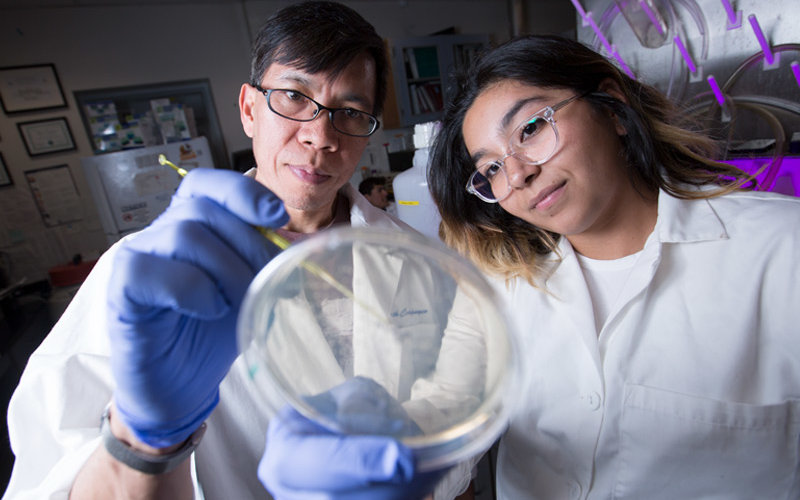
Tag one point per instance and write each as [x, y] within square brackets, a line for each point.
[121, 444]
[124, 434]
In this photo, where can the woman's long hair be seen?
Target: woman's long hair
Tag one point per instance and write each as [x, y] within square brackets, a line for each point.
[662, 150]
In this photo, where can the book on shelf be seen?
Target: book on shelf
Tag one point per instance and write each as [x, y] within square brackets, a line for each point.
[411, 64]
[426, 97]
[434, 91]
[414, 98]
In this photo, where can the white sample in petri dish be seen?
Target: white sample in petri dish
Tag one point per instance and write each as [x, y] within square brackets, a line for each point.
[377, 331]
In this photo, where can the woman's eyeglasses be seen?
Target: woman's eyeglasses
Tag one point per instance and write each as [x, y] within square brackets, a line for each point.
[533, 142]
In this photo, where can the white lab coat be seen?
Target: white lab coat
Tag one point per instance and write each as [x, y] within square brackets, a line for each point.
[54, 414]
[692, 388]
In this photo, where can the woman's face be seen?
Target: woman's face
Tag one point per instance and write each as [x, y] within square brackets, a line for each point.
[582, 187]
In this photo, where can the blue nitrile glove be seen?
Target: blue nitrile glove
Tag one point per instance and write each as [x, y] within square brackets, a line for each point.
[173, 300]
[362, 406]
[305, 461]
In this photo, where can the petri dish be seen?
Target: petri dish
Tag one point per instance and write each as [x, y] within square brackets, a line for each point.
[379, 331]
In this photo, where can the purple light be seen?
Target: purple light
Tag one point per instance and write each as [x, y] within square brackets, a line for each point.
[729, 10]
[579, 8]
[652, 15]
[787, 176]
[622, 64]
[717, 91]
[599, 33]
[588, 18]
[768, 55]
[796, 70]
[685, 54]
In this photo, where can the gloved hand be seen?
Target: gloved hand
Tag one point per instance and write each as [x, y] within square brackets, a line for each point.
[305, 461]
[174, 297]
[362, 406]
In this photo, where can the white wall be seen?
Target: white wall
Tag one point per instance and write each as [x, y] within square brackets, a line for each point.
[123, 44]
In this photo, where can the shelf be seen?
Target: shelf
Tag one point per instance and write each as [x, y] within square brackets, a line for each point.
[123, 118]
[423, 68]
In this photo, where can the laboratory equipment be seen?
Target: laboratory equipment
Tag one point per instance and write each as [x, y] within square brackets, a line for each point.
[130, 188]
[646, 21]
[415, 205]
[422, 325]
[740, 83]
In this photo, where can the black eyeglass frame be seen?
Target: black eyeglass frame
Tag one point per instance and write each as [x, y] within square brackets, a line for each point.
[331, 111]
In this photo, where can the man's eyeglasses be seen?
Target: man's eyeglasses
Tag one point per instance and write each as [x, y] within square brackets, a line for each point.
[299, 107]
[533, 142]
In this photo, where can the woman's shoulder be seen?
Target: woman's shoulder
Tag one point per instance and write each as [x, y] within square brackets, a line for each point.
[758, 206]
[757, 216]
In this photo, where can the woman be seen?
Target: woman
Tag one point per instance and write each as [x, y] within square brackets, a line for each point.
[655, 295]
[657, 298]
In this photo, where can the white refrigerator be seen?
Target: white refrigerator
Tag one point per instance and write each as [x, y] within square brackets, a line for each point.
[131, 188]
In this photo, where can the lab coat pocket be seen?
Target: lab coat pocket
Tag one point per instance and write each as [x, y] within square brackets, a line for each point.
[675, 445]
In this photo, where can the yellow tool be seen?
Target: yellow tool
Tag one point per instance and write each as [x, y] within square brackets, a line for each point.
[283, 244]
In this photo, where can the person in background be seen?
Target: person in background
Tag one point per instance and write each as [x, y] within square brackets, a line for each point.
[374, 189]
[655, 294]
[139, 391]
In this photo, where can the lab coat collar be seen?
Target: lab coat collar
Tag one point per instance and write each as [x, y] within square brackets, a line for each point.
[679, 221]
[566, 285]
[686, 221]
[362, 212]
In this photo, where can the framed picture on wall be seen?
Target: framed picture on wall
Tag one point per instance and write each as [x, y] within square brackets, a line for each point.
[46, 136]
[5, 178]
[30, 88]
[56, 195]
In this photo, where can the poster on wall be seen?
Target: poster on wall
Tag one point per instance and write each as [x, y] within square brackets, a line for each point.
[55, 194]
[30, 88]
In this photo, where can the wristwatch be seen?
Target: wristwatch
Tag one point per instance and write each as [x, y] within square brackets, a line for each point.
[145, 462]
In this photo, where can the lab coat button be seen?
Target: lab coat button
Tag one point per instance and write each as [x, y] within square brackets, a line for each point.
[593, 400]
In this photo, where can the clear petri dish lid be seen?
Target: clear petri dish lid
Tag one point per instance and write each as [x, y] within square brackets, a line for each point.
[376, 331]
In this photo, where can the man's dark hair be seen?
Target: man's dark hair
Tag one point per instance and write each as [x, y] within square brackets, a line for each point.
[319, 36]
[365, 186]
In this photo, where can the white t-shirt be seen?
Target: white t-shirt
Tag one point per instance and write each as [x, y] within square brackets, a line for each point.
[605, 279]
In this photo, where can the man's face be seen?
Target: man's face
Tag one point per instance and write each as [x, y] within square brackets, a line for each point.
[305, 163]
[378, 196]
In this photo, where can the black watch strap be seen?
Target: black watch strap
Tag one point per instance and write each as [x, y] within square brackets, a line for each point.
[144, 462]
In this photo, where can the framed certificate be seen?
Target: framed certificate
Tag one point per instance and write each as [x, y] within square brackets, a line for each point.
[30, 88]
[56, 196]
[46, 136]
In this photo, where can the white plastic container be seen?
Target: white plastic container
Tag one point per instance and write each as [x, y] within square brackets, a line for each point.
[415, 205]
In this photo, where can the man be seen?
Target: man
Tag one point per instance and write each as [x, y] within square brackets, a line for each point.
[374, 190]
[115, 401]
